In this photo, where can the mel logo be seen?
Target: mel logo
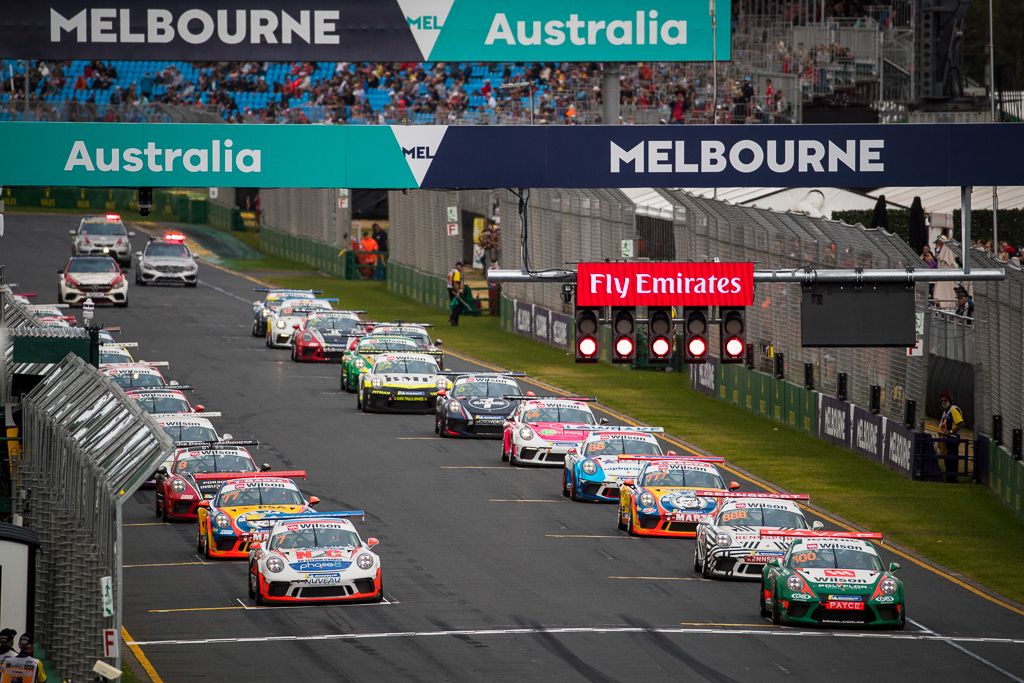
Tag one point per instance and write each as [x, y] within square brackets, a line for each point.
[425, 19]
[419, 146]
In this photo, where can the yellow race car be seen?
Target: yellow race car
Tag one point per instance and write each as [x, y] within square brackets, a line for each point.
[401, 383]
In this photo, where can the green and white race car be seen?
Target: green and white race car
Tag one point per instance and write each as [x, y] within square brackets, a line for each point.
[357, 361]
[829, 577]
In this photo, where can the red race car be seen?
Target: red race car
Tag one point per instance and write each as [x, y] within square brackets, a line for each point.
[324, 336]
[181, 484]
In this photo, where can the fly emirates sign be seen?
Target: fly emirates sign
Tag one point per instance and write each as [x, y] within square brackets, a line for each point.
[665, 284]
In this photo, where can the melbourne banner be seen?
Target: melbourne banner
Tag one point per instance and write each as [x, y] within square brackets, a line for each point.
[359, 30]
[665, 284]
[453, 157]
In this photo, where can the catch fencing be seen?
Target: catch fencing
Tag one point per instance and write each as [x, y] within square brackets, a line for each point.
[87, 448]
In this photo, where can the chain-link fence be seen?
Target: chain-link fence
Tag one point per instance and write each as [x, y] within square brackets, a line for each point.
[73, 110]
[87, 447]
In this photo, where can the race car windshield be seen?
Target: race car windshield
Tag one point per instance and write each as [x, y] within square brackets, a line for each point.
[835, 558]
[113, 229]
[152, 404]
[196, 464]
[259, 495]
[683, 477]
[623, 447]
[559, 414]
[406, 367]
[337, 324]
[315, 538]
[785, 519]
[165, 249]
[114, 357]
[191, 433]
[375, 345]
[135, 380]
[484, 390]
[418, 337]
[92, 265]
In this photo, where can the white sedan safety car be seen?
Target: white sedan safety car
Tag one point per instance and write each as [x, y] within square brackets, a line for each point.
[92, 277]
[542, 429]
[166, 260]
[731, 545]
[103, 236]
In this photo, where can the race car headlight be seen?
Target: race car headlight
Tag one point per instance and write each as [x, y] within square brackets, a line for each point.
[281, 324]
[647, 500]
[723, 539]
[525, 433]
[441, 383]
[589, 466]
[178, 486]
[275, 564]
[888, 586]
[222, 520]
[795, 583]
[455, 408]
[360, 363]
[364, 561]
[376, 382]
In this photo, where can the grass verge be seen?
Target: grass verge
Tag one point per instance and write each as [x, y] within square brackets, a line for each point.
[962, 527]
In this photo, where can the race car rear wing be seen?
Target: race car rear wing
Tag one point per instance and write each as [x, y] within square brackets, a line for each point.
[286, 291]
[403, 323]
[661, 458]
[269, 474]
[226, 443]
[468, 373]
[578, 399]
[308, 515]
[771, 496]
[808, 533]
[122, 345]
[333, 312]
[616, 428]
[212, 413]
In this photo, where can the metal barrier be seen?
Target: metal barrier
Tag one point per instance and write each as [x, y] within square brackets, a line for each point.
[945, 458]
[87, 447]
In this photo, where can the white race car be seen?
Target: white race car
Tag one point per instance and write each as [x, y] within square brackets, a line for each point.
[542, 429]
[401, 382]
[608, 456]
[189, 427]
[731, 545]
[137, 375]
[112, 353]
[314, 557]
[281, 323]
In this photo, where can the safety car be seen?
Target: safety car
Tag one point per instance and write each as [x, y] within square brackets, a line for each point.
[183, 482]
[663, 500]
[362, 352]
[542, 429]
[166, 260]
[281, 323]
[92, 277]
[102, 236]
[116, 353]
[477, 405]
[324, 336]
[731, 545]
[165, 401]
[137, 375]
[401, 382]
[595, 470]
[261, 310]
[831, 577]
[231, 520]
[415, 331]
[316, 557]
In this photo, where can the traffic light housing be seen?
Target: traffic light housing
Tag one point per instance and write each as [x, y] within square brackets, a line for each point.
[623, 334]
[659, 336]
[588, 322]
[695, 335]
[733, 335]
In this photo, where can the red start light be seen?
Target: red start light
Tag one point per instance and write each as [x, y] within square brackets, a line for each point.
[587, 347]
[113, 217]
[660, 347]
[624, 346]
[697, 346]
[174, 237]
[734, 347]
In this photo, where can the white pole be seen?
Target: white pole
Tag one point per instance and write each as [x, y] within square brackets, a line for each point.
[992, 99]
[714, 59]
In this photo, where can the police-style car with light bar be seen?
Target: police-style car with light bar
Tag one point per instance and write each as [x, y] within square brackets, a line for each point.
[476, 405]
[166, 260]
[92, 277]
[595, 471]
[103, 236]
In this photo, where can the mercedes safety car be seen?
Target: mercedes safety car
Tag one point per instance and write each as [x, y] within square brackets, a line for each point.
[183, 482]
[731, 545]
[477, 405]
[324, 336]
[231, 520]
[542, 429]
[98, 278]
[416, 332]
[166, 261]
[361, 354]
[595, 471]
[261, 310]
[832, 577]
[116, 353]
[165, 401]
[281, 323]
[102, 236]
[402, 383]
[663, 500]
[137, 375]
[316, 557]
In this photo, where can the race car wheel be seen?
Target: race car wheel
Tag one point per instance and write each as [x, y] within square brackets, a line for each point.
[696, 559]
[344, 381]
[512, 459]
[364, 404]
[123, 304]
[199, 541]
[138, 278]
[573, 495]
[622, 523]
[776, 611]
[565, 483]
[192, 284]
[705, 567]
[157, 512]
[437, 424]
[259, 587]
[764, 608]
[255, 329]
[269, 346]
[629, 524]
[504, 452]
[442, 428]
[902, 623]
[253, 588]
[295, 358]
[204, 543]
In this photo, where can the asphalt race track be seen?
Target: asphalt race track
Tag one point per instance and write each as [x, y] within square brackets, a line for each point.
[489, 573]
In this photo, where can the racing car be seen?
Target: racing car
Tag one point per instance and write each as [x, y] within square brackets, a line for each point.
[361, 354]
[324, 336]
[165, 401]
[182, 483]
[281, 323]
[731, 545]
[663, 500]
[52, 315]
[116, 353]
[261, 310]
[542, 429]
[316, 557]
[476, 405]
[415, 331]
[595, 470]
[189, 427]
[401, 382]
[137, 375]
[231, 520]
[831, 577]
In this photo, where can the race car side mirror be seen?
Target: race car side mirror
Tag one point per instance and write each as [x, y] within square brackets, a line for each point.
[442, 392]
[295, 326]
[313, 500]
[572, 451]
[131, 234]
[227, 437]
[894, 567]
[254, 303]
[204, 503]
[733, 485]
[60, 271]
[138, 254]
[775, 563]
[817, 526]
[200, 407]
[162, 471]
[629, 482]
[265, 467]
[255, 545]
[603, 420]
[530, 393]
[438, 342]
[72, 231]
[671, 453]
[371, 541]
